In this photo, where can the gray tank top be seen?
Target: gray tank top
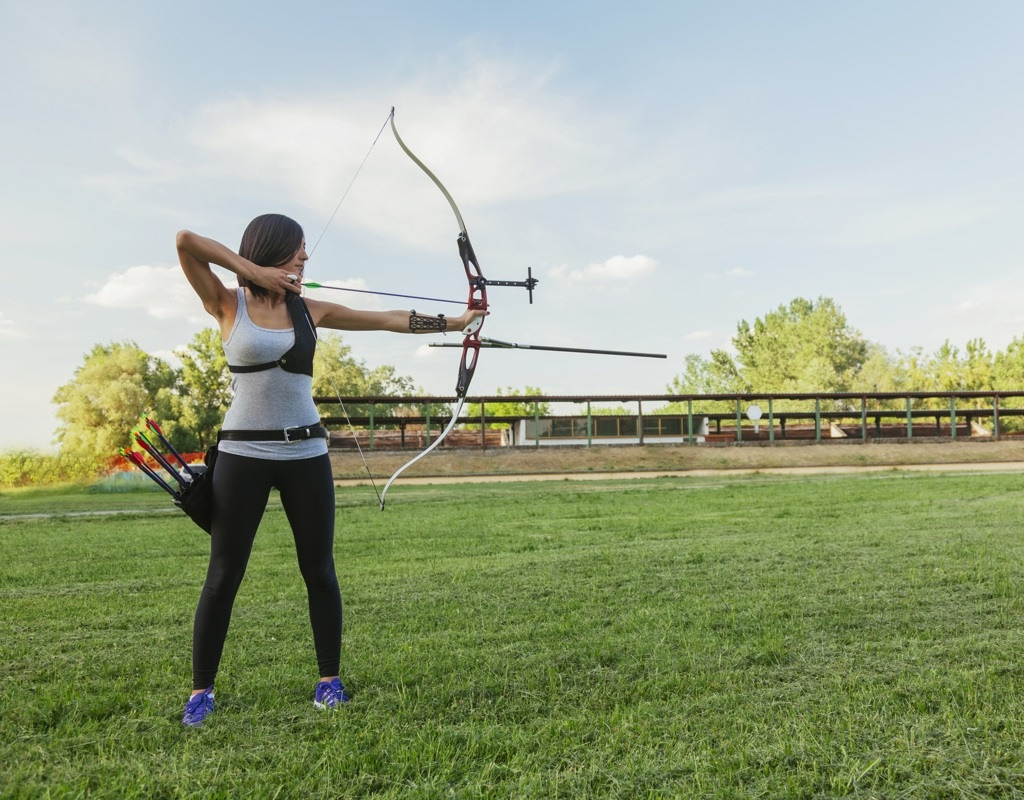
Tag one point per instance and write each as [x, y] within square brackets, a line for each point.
[269, 400]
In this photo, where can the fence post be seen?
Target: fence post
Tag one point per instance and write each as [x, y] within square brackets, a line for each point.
[373, 408]
[952, 417]
[536, 424]
[590, 430]
[863, 419]
[995, 416]
[640, 421]
[483, 426]
[739, 421]
[910, 421]
[427, 415]
[771, 421]
[689, 421]
[817, 420]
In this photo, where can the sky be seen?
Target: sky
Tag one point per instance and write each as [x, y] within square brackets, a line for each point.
[666, 169]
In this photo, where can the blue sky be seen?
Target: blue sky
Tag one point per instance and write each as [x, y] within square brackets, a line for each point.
[666, 169]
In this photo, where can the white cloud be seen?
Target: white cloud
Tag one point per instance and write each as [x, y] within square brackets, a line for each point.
[10, 330]
[492, 132]
[425, 352]
[617, 269]
[696, 336]
[161, 292]
[738, 272]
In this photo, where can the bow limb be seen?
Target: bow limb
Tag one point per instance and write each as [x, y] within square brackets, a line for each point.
[477, 301]
[431, 175]
[451, 424]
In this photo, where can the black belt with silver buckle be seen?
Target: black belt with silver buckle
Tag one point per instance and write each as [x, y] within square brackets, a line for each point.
[299, 433]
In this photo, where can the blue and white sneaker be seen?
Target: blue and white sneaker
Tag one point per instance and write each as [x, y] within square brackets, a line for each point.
[330, 694]
[197, 707]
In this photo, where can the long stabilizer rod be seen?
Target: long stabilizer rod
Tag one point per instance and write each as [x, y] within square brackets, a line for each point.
[497, 343]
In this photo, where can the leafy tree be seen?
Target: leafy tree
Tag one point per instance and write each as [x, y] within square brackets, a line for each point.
[978, 362]
[204, 392]
[32, 468]
[718, 374]
[878, 373]
[945, 370]
[913, 368]
[115, 385]
[336, 372]
[803, 347]
[510, 408]
[715, 375]
[1008, 367]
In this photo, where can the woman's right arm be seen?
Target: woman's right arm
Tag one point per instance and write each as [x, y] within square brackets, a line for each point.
[196, 253]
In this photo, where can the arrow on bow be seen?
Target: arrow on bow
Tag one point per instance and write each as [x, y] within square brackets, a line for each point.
[315, 285]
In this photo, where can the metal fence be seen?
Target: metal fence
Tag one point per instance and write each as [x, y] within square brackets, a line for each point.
[689, 419]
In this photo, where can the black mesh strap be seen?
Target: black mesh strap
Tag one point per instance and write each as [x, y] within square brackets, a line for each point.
[297, 434]
[419, 322]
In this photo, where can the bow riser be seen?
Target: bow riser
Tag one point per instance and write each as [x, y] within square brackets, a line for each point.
[467, 366]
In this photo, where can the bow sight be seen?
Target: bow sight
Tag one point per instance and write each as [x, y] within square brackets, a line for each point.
[529, 284]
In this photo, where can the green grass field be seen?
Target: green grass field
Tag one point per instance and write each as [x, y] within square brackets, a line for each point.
[840, 636]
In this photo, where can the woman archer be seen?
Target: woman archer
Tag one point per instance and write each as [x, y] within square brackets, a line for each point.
[271, 435]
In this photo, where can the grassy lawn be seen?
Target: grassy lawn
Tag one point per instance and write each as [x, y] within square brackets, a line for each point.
[821, 636]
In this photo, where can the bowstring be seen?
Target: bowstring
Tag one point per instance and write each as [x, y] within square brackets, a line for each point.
[351, 427]
[330, 375]
[350, 183]
[355, 438]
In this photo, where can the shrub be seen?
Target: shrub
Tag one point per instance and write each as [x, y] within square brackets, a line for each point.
[31, 468]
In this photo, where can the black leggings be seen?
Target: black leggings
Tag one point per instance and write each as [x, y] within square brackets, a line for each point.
[241, 487]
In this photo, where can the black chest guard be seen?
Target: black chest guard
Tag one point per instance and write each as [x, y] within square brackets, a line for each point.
[299, 359]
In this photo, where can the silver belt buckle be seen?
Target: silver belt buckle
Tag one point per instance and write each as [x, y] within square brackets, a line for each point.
[289, 439]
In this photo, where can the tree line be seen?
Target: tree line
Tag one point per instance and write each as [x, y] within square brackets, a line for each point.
[805, 346]
[809, 346]
[119, 382]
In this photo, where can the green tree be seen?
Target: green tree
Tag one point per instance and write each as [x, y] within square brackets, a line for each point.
[807, 346]
[1008, 375]
[510, 408]
[1008, 367]
[115, 385]
[946, 370]
[914, 369]
[804, 347]
[203, 394]
[878, 373]
[336, 372]
[978, 366]
[717, 374]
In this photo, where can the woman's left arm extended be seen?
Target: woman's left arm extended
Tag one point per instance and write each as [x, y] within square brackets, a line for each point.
[339, 317]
